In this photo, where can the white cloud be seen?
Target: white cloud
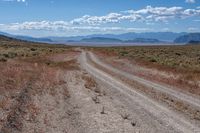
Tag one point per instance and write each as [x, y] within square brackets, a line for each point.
[40, 25]
[190, 1]
[96, 20]
[158, 10]
[65, 27]
[147, 14]
[14, 0]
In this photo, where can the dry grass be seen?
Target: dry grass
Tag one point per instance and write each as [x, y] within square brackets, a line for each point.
[69, 65]
[176, 57]
[15, 76]
[4, 102]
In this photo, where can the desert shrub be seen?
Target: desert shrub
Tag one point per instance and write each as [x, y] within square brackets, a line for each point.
[3, 59]
[34, 53]
[33, 49]
[12, 54]
[152, 60]
[123, 53]
[5, 55]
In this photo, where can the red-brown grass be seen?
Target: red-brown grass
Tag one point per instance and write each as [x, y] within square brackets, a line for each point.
[41, 74]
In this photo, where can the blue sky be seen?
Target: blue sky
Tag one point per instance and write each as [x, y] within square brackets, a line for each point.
[82, 17]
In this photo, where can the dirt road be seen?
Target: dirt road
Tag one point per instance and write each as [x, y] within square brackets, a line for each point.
[169, 120]
[192, 100]
[90, 96]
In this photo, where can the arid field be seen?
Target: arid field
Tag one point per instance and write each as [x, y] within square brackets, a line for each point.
[46, 88]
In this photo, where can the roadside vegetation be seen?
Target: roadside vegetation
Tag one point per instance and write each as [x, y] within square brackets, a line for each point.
[177, 57]
[183, 61]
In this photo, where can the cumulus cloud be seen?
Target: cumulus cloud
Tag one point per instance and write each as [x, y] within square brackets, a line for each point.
[190, 1]
[40, 25]
[96, 20]
[147, 14]
[64, 26]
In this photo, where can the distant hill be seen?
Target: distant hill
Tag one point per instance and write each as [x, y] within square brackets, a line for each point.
[143, 40]
[193, 42]
[9, 41]
[27, 38]
[101, 39]
[163, 36]
[192, 37]
[114, 40]
[5, 34]
[4, 38]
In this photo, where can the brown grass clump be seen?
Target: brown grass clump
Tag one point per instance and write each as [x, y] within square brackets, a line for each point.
[14, 76]
[4, 103]
[90, 83]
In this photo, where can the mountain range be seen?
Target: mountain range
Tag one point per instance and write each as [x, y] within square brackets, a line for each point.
[113, 40]
[162, 36]
[148, 37]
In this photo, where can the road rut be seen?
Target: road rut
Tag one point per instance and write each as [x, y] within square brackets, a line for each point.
[191, 100]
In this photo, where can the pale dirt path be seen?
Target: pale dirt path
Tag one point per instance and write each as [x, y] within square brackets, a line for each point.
[159, 112]
[191, 100]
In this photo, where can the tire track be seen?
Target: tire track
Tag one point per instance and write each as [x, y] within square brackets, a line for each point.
[179, 95]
